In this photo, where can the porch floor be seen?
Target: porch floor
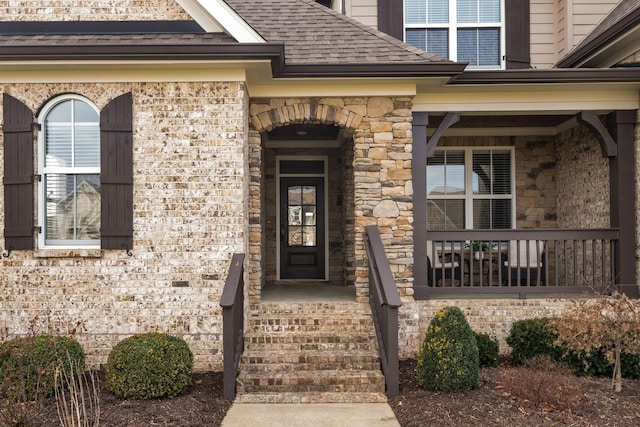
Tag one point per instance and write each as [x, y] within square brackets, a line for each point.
[307, 292]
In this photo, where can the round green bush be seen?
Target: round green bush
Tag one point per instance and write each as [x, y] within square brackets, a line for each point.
[148, 366]
[28, 365]
[532, 337]
[448, 357]
[488, 350]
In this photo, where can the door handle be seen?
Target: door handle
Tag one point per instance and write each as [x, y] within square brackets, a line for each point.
[282, 233]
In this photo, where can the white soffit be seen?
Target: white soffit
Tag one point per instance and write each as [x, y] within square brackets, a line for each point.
[544, 99]
[215, 16]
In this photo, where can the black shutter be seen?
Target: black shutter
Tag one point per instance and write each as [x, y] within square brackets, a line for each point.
[518, 50]
[390, 18]
[116, 173]
[18, 174]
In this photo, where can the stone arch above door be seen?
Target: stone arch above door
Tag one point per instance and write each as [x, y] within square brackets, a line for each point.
[380, 157]
[265, 117]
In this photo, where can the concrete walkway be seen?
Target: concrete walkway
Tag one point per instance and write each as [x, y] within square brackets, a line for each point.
[310, 414]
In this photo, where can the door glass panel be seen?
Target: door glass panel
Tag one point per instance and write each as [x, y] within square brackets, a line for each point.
[309, 195]
[295, 235]
[309, 215]
[301, 221]
[309, 235]
[295, 195]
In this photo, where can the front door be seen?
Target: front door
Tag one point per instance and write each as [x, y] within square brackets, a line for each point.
[302, 228]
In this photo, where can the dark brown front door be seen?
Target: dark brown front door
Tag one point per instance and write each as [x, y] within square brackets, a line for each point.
[302, 229]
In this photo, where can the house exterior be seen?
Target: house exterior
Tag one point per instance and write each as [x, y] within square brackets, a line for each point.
[221, 127]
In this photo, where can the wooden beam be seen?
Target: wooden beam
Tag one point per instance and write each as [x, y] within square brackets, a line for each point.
[449, 120]
[622, 200]
[593, 122]
[419, 177]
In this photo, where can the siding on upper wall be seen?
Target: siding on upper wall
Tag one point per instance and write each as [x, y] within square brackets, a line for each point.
[365, 11]
[557, 26]
[543, 38]
[91, 10]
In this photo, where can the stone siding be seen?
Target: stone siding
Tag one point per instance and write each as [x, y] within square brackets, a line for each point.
[382, 190]
[92, 10]
[490, 316]
[190, 199]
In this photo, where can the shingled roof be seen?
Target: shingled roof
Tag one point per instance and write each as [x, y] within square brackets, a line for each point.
[303, 39]
[314, 34]
[622, 19]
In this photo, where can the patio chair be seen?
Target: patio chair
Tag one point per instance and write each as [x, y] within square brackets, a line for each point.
[442, 266]
[524, 260]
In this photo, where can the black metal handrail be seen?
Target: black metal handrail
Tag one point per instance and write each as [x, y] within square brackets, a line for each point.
[232, 303]
[531, 261]
[384, 300]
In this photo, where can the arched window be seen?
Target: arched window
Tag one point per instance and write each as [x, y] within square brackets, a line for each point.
[69, 181]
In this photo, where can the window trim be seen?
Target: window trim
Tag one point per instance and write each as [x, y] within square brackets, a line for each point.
[44, 171]
[469, 196]
[452, 29]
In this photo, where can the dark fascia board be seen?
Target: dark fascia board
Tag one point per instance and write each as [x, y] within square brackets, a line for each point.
[225, 51]
[431, 69]
[273, 52]
[531, 76]
[575, 58]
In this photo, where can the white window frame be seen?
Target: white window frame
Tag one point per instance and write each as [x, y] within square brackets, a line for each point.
[452, 26]
[469, 196]
[44, 170]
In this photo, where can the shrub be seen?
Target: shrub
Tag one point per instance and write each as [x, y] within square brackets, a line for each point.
[148, 366]
[488, 350]
[532, 337]
[28, 365]
[448, 358]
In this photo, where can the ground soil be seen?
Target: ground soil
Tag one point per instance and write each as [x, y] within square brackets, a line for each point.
[546, 395]
[506, 396]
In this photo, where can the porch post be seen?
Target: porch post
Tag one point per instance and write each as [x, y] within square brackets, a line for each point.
[419, 177]
[623, 197]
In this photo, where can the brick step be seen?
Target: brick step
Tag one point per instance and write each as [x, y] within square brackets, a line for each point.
[322, 309]
[303, 327]
[287, 361]
[332, 381]
[311, 398]
[311, 341]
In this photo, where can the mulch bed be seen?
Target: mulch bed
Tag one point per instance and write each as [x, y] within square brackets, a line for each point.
[506, 396]
[519, 396]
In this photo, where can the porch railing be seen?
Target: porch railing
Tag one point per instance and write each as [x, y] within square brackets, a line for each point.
[232, 303]
[385, 300]
[519, 261]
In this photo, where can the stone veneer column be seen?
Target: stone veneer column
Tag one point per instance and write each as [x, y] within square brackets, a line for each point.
[382, 188]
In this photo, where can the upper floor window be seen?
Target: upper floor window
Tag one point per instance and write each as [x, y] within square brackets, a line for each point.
[470, 188]
[460, 30]
[69, 164]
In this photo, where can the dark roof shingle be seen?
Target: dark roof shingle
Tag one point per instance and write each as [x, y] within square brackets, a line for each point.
[314, 34]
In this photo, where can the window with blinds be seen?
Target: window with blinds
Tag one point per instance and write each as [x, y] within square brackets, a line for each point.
[470, 188]
[460, 30]
[69, 160]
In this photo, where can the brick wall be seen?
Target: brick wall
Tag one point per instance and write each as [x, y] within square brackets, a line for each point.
[91, 10]
[190, 196]
[583, 180]
[490, 316]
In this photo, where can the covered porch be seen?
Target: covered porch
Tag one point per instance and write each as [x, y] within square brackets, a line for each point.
[522, 204]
